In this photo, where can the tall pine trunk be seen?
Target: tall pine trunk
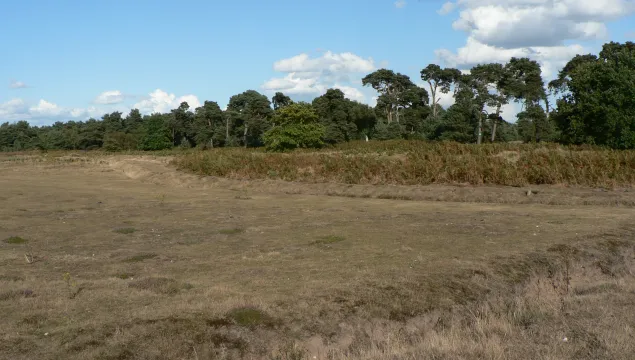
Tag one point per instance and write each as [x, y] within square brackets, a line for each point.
[479, 139]
[498, 111]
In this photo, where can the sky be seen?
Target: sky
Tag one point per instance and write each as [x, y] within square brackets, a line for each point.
[76, 59]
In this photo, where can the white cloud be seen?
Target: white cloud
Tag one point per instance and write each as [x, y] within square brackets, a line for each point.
[539, 29]
[14, 84]
[306, 76]
[45, 109]
[161, 101]
[329, 62]
[399, 4]
[46, 112]
[40, 113]
[109, 97]
[447, 8]
[13, 110]
[474, 52]
[351, 92]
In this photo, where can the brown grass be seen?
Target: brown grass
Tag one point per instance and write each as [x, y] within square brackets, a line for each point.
[423, 163]
[309, 276]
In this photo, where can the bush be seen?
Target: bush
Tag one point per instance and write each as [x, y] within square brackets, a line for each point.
[293, 136]
[117, 141]
[295, 126]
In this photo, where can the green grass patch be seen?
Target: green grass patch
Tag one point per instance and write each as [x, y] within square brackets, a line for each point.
[127, 230]
[15, 240]
[139, 257]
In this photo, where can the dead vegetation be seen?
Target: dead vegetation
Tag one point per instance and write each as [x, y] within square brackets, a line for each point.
[300, 276]
[424, 163]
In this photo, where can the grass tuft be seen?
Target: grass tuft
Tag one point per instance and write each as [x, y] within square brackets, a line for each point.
[328, 240]
[139, 257]
[250, 317]
[128, 230]
[158, 285]
[15, 240]
[231, 231]
[14, 294]
[124, 275]
[11, 278]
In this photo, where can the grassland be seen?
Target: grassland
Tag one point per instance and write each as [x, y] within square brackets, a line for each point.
[132, 259]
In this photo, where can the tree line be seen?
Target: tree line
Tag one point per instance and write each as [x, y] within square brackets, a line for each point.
[593, 96]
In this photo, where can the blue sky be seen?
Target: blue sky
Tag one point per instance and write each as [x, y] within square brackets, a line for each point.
[66, 60]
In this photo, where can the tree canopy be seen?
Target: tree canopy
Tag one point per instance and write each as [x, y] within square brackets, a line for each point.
[594, 104]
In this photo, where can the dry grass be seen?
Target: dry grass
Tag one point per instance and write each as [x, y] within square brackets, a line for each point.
[423, 163]
[307, 276]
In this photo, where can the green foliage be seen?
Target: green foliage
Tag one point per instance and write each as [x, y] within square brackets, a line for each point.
[598, 98]
[594, 105]
[209, 125]
[117, 141]
[295, 126]
[280, 100]
[156, 135]
[249, 114]
[439, 80]
[385, 131]
[333, 111]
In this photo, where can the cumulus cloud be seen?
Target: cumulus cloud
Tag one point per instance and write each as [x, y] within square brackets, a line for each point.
[14, 84]
[47, 112]
[522, 26]
[475, 52]
[12, 110]
[351, 92]
[447, 8]
[44, 112]
[307, 76]
[548, 31]
[109, 97]
[329, 62]
[161, 101]
[46, 109]
[400, 4]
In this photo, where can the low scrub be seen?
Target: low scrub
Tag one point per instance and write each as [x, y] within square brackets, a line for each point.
[423, 163]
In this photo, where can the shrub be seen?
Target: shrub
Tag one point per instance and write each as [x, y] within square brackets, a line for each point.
[295, 126]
